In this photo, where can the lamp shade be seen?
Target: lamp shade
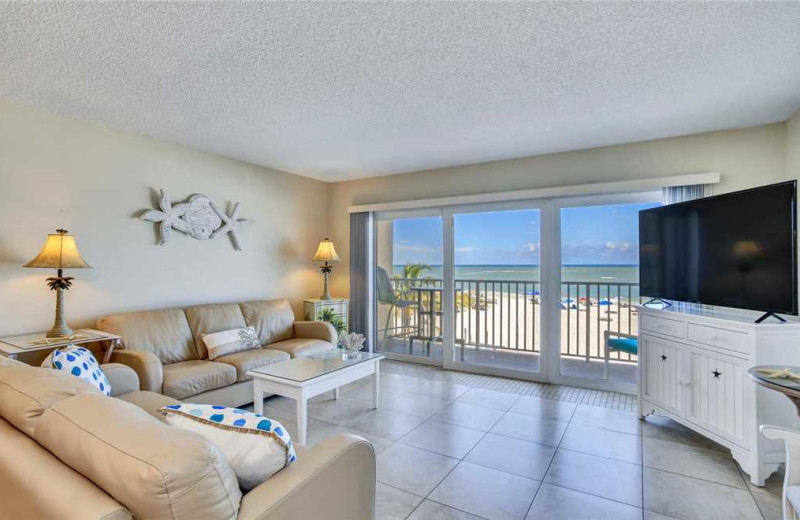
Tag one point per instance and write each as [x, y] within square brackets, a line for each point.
[326, 252]
[59, 252]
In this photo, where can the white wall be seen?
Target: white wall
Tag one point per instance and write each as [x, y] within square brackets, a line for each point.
[93, 181]
[745, 158]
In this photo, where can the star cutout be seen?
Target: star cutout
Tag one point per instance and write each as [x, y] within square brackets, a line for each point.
[231, 224]
[663, 357]
[716, 373]
[169, 217]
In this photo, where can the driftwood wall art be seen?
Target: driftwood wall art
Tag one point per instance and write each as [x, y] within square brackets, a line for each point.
[199, 217]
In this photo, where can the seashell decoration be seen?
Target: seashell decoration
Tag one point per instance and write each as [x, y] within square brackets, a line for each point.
[199, 217]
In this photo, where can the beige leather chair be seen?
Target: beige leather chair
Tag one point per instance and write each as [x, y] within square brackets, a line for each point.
[67, 452]
[166, 349]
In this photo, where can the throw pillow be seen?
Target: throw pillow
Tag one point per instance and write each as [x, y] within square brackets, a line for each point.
[256, 447]
[230, 341]
[80, 362]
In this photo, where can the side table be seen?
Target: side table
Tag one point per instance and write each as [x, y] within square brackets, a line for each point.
[13, 346]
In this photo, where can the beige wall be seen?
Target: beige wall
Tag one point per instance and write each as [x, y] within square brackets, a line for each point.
[93, 181]
[745, 158]
[793, 146]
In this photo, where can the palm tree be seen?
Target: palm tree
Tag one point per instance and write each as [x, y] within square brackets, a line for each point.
[415, 270]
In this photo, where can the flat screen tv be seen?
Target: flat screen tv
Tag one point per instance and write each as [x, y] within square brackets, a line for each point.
[733, 250]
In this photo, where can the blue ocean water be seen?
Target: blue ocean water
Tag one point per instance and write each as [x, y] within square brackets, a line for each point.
[600, 277]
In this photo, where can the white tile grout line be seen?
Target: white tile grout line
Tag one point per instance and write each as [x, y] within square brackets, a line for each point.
[612, 400]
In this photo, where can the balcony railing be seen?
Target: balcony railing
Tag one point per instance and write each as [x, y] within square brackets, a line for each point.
[506, 315]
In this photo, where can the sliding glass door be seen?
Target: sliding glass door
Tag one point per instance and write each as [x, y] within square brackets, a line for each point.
[497, 266]
[599, 278]
[541, 290]
[408, 285]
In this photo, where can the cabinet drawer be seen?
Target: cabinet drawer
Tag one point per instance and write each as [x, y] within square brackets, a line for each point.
[720, 338]
[663, 326]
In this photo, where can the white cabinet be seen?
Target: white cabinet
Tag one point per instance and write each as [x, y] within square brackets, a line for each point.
[693, 368]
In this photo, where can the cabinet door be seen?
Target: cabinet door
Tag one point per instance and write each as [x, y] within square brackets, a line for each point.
[717, 386]
[662, 373]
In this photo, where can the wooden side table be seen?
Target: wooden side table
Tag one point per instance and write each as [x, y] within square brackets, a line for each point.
[313, 307]
[13, 346]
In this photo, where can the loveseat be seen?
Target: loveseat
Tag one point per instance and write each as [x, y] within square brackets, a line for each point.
[166, 349]
[68, 452]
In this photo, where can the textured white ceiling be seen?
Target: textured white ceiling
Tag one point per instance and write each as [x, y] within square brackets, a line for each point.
[347, 90]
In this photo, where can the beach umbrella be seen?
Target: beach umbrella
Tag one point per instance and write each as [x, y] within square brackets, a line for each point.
[533, 293]
[567, 300]
[605, 301]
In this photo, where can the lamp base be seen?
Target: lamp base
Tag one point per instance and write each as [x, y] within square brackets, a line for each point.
[60, 328]
[59, 332]
[326, 294]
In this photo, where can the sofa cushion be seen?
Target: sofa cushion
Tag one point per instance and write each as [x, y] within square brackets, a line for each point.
[150, 402]
[301, 347]
[165, 333]
[250, 359]
[272, 319]
[26, 392]
[192, 377]
[81, 363]
[34, 484]
[156, 471]
[210, 318]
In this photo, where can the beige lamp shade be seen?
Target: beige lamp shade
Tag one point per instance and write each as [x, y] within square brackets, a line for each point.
[59, 252]
[326, 252]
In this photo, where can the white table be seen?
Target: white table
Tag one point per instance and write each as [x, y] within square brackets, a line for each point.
[13, 346]
[303, 378]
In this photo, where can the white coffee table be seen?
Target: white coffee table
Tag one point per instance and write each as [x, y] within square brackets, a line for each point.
[303, 378]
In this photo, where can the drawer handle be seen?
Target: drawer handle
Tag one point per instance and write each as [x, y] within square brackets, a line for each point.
[716, 373]
[663, 357]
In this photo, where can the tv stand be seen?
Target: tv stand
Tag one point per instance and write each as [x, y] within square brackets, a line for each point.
[665, 303]
[693, 369]
[767, 315]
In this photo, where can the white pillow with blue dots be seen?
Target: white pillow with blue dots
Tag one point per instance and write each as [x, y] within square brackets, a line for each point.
[255, 446]
[81, 363]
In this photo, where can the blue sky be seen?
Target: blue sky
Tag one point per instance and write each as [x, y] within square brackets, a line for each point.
[606, 235]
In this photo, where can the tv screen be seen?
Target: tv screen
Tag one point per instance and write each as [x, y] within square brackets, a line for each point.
[734, 250]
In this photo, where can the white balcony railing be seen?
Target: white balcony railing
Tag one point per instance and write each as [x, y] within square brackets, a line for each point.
[506, 315]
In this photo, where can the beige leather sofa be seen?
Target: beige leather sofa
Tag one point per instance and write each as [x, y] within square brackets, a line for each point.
[166, 349]
[67, 452]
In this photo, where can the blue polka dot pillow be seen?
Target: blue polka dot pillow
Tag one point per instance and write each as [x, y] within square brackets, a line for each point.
[79, 362]
[256, 447]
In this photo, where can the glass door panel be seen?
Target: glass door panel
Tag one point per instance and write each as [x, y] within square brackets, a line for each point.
[497, 291]
[408, 286]
[599, 287]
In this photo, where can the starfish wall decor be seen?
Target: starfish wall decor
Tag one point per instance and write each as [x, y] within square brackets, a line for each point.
[199, 217]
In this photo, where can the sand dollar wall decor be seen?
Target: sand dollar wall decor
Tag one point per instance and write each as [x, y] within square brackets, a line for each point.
[199, 217]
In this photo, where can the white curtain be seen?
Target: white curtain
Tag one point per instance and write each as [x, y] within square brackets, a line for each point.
[675, 194]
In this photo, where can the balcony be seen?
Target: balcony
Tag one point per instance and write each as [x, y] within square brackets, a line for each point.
[498, 324]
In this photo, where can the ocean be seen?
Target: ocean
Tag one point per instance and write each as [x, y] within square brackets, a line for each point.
[605, 275]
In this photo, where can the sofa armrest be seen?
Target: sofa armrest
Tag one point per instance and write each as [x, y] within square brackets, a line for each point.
[316, 330]
[146, 365]
[336, 477]
[122, 378]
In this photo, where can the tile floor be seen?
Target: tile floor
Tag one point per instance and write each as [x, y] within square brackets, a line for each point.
[450, 451]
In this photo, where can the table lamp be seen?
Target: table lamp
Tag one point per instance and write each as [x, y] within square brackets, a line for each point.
[326, 253]
[59, 252]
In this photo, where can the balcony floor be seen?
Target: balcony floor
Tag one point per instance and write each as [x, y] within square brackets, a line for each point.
[523, 361]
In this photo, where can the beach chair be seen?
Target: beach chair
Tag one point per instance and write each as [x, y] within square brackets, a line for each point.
[387, 296]
[621, 343]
